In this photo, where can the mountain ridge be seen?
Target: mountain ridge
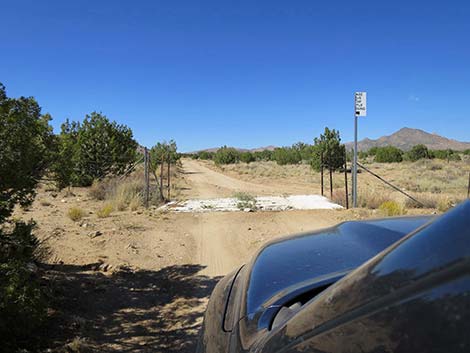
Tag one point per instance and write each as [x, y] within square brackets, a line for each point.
[405, 139]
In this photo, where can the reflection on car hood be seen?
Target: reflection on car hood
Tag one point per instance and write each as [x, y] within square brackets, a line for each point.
[292, 260]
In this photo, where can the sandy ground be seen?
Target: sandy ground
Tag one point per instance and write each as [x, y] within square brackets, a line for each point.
[139, 281]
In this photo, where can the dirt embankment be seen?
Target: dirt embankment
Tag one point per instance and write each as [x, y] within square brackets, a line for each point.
[139, 281]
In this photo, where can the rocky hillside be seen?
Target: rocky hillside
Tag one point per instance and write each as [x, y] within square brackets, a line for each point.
[406, 138]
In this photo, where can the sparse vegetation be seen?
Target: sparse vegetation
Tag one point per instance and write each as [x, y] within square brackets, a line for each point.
[245, 201]
[105, 211]
[76, 214]
[371, 198]
[392, 208]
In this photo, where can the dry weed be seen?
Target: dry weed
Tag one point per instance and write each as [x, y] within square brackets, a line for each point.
[76, 214]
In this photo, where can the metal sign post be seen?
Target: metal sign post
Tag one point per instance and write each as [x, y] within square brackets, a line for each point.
[360, 109]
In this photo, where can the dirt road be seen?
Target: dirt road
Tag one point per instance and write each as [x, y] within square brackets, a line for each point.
[207, 183]
[139, 281]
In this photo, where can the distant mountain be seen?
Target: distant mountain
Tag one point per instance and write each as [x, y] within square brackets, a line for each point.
[406, 138]
[258, 149]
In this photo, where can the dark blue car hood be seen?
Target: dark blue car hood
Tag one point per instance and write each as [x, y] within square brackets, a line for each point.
[285, 263]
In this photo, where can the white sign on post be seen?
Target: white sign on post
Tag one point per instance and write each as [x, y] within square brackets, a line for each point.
[360, 103]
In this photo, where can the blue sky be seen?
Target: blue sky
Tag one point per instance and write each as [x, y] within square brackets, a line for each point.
[244, 73]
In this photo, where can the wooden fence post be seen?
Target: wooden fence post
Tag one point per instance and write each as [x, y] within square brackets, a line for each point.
[331, 175]
[146, 178]
[161, 176]
[321, 172]
[169, 177]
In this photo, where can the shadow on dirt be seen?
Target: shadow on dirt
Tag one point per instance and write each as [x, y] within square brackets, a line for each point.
[127, 311]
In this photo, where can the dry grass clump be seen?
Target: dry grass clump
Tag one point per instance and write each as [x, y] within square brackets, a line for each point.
[339, 197]
[127, 192]
[135, 202]
[102, 189]
[440, 202]
[372, 198]
[76, 214]
[105, 211]
[120, 194]
[392, 208]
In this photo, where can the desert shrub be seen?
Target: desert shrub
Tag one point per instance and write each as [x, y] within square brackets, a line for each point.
[94, 149]
[306, 151]
[164, 151]
[388, 154]
[328, 149]
[286, 155]
[75, 214]
[245, 201]
[205, 155]
[247, 157]
[448, 155]
[226, 155]
[362, 154]
[105, 211]
[22, 303]
[392, 208]
[99, 189]
[264, 155]
[26, 140]
[417, 152]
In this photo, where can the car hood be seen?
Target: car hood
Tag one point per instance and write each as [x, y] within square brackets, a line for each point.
[285, 264]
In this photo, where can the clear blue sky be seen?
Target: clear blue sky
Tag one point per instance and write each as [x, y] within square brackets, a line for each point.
[244, 73]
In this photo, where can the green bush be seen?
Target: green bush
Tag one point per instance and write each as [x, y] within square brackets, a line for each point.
[286, 155]
[205, 155]
[417, 152]
[448, 155]
[22, 303]
[247, 157]
[164, 151]
[388, 154]
[264, 155]
[92, 150]
[226, 155]
[26, 140]
[328, 148]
